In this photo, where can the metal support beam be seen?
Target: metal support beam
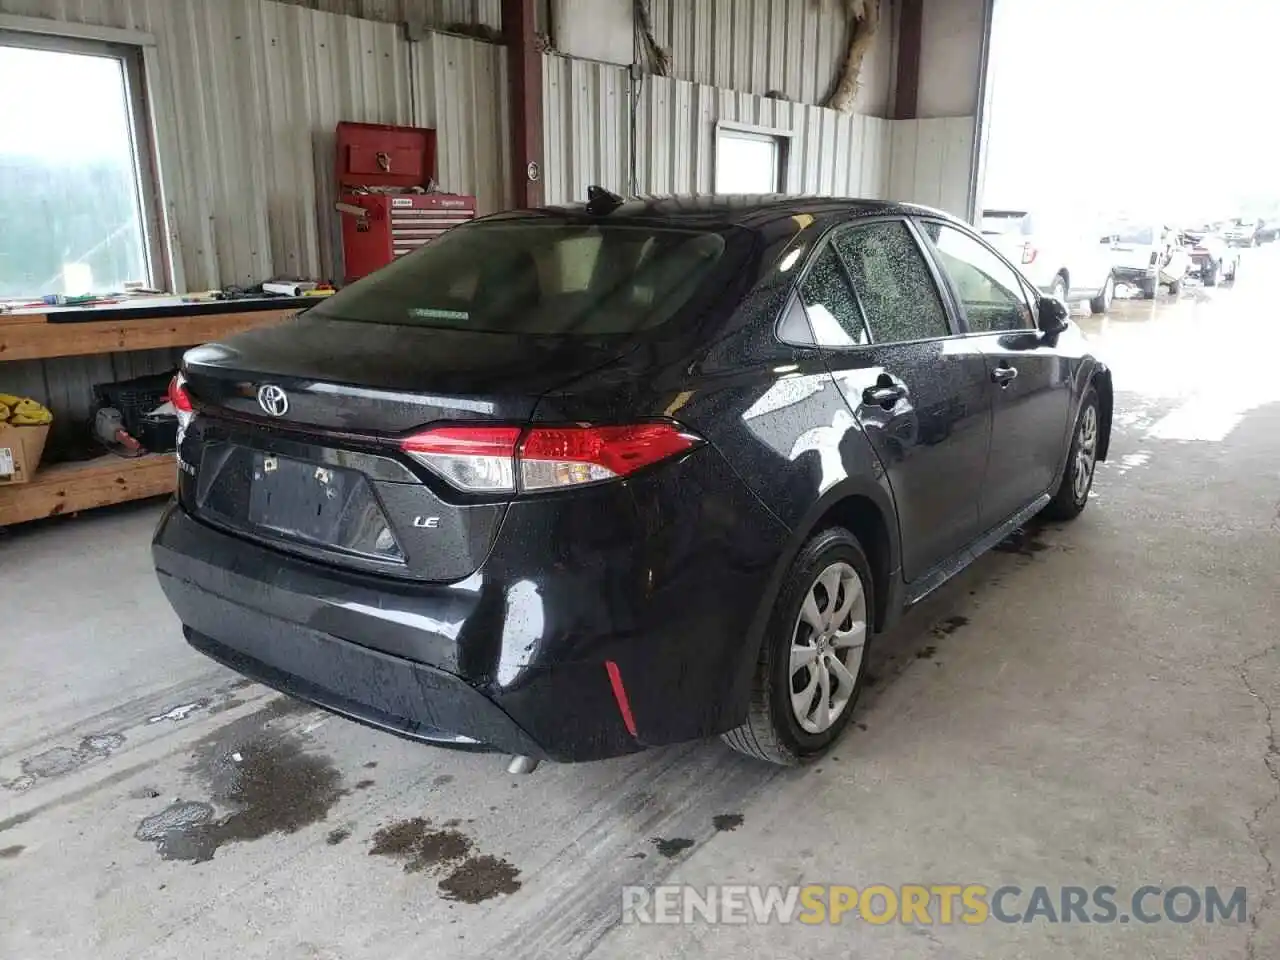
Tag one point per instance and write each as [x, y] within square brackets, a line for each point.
[910, 34]
[524, 74]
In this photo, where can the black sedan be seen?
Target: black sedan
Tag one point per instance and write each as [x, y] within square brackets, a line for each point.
[574, 481]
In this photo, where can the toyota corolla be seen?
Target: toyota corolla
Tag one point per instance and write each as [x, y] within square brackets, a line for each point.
[571, 482]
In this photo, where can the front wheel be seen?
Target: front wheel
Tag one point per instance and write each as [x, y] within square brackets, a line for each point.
[1082, 460]
[1102, 302]
[1175, 289]
[813, 657]
[1059, 288]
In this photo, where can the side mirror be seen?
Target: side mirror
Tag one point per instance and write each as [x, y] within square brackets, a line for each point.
[1052, 316]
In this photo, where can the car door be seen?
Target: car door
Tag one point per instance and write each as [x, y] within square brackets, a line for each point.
[917, 390]
[1029, 381]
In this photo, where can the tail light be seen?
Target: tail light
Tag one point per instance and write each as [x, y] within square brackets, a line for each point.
[500, 460]
[182, 405]
[565, 456]
[1029, 252]
[475, 459]
[178, 395]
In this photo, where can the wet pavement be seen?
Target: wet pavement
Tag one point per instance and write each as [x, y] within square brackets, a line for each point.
[1090, 704]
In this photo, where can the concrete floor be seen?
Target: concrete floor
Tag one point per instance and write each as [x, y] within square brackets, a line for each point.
[1091, 705]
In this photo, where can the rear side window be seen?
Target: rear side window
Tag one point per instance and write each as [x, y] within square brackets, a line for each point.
[894, 285]
[833, 311]
[544, 277]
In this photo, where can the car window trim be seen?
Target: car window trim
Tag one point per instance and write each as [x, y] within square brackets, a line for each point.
[961, 313]
[828, 238]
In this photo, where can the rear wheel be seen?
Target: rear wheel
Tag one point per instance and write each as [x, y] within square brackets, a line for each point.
[1175, 288]
[813, 656]
[1102, 302]
[1082, 459]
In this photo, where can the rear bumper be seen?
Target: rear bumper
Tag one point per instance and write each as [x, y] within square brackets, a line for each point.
[1135, 275]
[514, 657]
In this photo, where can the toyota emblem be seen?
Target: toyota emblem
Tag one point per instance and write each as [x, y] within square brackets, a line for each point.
[273, 400]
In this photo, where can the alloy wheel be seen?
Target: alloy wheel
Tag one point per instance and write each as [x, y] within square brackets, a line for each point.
[1086, 452]
[827, 646]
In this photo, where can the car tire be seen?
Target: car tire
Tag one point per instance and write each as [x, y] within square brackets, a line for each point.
[1059, 288]
[1073, 492]
[1102, 302]
[1175, 289]
[774, 729]
[1211, 274]
[1231, 277]
[1148, 291]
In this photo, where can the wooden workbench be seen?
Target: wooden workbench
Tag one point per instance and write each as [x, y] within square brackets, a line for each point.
[147, 325]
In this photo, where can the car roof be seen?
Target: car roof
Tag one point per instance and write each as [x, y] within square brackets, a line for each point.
[751, 211]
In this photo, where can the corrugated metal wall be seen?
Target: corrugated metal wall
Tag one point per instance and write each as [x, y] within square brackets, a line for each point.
[587, 135]
[793, 46]
[460, 88]
[432, 13]
[930, 162]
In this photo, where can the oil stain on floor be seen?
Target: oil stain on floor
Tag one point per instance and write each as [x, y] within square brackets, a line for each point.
[470, 877]
[1025, 541]
[948, 626]
[60, 761]
[267, 782]
[672, 847]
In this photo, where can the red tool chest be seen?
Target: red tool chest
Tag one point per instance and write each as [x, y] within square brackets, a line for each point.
[385, 180]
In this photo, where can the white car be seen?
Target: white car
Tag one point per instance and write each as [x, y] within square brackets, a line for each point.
[1061, 256]
[1148, 256]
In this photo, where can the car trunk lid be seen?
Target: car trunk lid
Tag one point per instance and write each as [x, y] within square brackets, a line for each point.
[295, 441]
[380, 380]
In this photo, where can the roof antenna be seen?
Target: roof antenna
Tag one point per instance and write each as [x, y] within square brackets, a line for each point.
[602, 202]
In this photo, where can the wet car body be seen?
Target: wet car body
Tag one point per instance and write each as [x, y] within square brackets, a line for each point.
[588, 622]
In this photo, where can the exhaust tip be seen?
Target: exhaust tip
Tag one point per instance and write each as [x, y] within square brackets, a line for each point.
[522, 764]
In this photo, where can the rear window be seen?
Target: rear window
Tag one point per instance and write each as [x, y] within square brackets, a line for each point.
[1136, 235]
[543, 277]
[1000, 223]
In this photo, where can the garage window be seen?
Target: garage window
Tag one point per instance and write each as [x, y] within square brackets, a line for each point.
[75, 184]
[748, 161]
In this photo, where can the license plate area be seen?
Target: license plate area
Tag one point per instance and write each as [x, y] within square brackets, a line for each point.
[299, 501]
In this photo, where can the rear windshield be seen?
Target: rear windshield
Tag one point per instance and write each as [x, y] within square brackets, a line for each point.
[545, 277]
[1136, 235]
[1004, 222]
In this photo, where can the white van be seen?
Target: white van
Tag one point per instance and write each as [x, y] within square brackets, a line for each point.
[1058, 254]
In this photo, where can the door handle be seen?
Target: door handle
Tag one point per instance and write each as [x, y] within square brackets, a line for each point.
[1004, 375]
[883, 395]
